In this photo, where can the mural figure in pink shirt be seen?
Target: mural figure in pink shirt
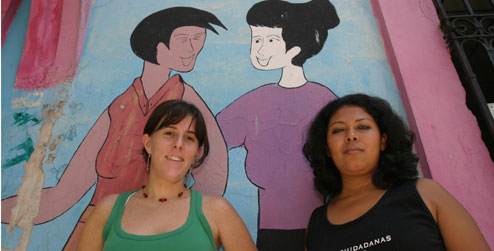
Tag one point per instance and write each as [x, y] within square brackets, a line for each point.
[270, 121]
[111, 153]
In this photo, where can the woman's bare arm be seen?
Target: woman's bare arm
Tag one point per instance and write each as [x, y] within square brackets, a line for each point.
[229, 229]
[92, 233]
[458, 228]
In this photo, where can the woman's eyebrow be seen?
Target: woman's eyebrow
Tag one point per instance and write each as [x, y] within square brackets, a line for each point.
[357, 120]
[363, 119]
[336, 122]
[174, 127]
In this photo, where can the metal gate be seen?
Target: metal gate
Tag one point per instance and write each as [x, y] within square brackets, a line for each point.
[468, 28]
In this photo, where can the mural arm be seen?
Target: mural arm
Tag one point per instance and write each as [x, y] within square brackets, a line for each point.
[234, 123]
[78, 177]
[211, 176]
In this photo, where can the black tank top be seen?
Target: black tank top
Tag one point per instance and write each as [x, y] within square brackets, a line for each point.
[400, 220]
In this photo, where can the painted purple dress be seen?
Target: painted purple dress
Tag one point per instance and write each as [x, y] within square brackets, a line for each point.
[271, 123]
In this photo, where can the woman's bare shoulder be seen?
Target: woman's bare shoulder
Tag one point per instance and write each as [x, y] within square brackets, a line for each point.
[458, 228]
[228, 226]
[428, 183]
[109, 200]
[105, 205]
[216, 203]
[430, 189]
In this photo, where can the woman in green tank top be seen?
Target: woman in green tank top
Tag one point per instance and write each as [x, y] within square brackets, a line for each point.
[164, 214]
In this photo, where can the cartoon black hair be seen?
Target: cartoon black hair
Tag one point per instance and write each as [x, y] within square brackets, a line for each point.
[304, 24]
[159, 26]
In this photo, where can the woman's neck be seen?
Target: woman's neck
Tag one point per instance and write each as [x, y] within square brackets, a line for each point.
[356, 186]
[153, 77]
[292, 76]
[157, 188]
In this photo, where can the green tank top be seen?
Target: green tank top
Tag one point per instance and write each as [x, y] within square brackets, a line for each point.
[195, 234]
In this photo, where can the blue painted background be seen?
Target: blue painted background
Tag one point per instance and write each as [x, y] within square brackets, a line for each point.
[352, 60]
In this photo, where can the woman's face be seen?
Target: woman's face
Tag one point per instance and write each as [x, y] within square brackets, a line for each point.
[173, 150]
[268, 49]
[354, 141]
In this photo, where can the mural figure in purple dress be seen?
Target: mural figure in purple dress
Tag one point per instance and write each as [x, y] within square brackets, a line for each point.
[270, 121]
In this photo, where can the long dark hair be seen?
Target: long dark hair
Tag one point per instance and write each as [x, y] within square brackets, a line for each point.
[304, 25]
[397, 163]
[171, 112]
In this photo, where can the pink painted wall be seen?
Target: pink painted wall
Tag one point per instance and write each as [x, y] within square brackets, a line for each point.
[448, 137]
[9, 8]
[53, 45]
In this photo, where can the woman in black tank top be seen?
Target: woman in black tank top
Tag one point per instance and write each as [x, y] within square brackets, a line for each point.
[361, 153]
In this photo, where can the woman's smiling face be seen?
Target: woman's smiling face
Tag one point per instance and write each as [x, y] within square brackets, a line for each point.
[354, 141]
[268, 49]
[173, 150]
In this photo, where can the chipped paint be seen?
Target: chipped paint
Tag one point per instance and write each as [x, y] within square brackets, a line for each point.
[71, 133]
[29, 194]
[50, 159]
[75, 107]
[55, 143]
[30, 100]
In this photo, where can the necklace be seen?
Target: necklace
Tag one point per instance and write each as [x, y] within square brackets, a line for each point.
[162, 199]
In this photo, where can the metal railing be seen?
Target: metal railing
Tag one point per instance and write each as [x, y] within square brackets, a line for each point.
[468, 28]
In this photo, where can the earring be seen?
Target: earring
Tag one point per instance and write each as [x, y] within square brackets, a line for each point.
[187, 178]
[148, 162]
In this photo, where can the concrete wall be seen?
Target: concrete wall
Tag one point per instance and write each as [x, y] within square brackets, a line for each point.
[434, 100]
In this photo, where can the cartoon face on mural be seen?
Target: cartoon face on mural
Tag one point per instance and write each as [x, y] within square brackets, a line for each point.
[268, 49]
[256, 120]
[185, 44]
[284, 36]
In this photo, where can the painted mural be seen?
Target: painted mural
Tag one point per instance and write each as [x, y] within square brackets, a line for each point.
[269, 121]
[67, 144]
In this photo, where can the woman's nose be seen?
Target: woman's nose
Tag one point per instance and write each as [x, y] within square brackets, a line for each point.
[351, 137]
[178, 143]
